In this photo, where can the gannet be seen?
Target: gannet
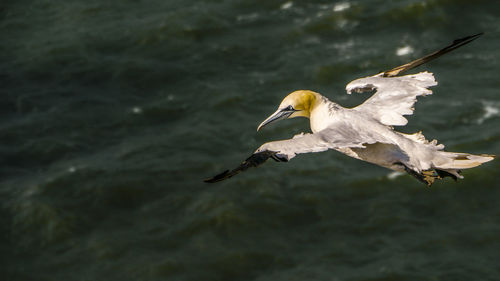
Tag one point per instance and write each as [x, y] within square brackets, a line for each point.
[366, 132]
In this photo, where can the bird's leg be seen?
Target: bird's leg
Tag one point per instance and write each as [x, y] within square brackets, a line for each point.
[426, 177]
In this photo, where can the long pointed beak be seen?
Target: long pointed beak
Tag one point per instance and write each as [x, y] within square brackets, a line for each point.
[278, 115]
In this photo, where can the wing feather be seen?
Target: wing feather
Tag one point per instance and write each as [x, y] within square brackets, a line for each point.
[394, 96]
[337, 136]
[341, 135]
[454, 45]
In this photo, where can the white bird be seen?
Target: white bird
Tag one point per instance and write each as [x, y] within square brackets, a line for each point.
[366, 131]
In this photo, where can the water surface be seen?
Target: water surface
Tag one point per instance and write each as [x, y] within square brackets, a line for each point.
[113, 112]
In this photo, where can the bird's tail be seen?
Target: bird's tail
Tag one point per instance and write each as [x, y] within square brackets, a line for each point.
[450, 164]
[459, 161]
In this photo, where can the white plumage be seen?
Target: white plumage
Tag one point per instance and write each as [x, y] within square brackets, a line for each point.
[366, 131]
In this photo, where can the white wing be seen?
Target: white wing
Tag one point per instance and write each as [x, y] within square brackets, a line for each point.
[339, 135]
[394, 96]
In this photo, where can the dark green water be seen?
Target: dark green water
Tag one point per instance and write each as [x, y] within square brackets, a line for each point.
[112, 113]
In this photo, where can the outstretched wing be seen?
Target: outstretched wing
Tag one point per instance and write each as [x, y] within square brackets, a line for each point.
[394, 96]
[407, 66]
[341, 135]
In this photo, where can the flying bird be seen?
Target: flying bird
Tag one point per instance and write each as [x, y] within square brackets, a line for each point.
[366, 132]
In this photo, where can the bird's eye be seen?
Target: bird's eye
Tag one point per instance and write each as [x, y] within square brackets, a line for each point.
[288, 109]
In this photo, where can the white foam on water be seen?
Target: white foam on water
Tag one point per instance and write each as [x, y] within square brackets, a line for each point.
[248, 17]
[342, 6]
[136, 110]
[393, 175]
[403, 51]
[490, 110]
[286, 5]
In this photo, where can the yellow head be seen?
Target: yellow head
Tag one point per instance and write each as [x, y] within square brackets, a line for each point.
[297, 104]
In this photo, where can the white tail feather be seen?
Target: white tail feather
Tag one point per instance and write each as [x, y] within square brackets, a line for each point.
[460, 161]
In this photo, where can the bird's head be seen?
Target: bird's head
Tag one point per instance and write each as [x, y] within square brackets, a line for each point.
[297, 104]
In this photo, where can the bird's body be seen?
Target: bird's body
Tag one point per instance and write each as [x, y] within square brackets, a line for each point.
[366, 132]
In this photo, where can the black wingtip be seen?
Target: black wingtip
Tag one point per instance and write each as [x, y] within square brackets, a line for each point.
[219, 177]
[254, 160]
[457, 43]
[465, 40]
[468, 38]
